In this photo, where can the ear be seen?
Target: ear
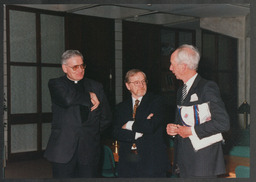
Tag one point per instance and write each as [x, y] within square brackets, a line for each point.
[127, 86]
[64, 68]
[184, 67]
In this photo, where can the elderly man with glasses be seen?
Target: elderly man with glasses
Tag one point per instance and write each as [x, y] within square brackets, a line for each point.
[139, 127]
[80, 112]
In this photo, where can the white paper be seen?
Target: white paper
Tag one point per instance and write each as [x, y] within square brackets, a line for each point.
[195, 115]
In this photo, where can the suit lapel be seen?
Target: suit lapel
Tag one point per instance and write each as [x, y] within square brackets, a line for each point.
[128, 109]
[142, 105]
[143, 102]
[192, 89]
[87, 85]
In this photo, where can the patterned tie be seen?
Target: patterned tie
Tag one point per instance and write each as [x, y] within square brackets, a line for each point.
[134, 147]
[135, 108]
[183, 92]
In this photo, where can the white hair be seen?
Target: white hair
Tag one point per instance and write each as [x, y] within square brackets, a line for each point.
[189, 55]
[68, 54]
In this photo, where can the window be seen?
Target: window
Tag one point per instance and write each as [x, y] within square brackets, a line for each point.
[35, 42]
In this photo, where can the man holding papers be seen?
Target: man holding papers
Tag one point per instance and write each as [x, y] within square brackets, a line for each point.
[201, 118]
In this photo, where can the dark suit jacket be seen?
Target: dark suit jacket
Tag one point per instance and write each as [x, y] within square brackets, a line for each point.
[208, 161]
[67, 127]
[151, 146]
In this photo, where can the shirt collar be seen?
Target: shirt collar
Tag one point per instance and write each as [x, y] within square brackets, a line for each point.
[190, 82]
[73, 81]
[133, 100]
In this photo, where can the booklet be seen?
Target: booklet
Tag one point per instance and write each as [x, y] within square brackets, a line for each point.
[196, 115]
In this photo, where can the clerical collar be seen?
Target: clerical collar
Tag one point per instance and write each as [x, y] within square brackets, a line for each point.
[75, 81]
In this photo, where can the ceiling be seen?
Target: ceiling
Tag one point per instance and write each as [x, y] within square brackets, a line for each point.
[163, 14]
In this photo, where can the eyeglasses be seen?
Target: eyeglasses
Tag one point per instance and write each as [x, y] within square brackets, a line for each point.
[143, 82]
[74, 68]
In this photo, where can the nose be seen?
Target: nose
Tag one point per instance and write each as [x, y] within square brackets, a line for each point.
[170, 68]
[141, 84]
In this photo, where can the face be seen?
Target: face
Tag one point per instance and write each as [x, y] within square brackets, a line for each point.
[137, 85]
[176, 68]
[67, 68]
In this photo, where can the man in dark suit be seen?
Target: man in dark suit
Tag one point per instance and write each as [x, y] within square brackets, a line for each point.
[143, 152]
[190, 161]
[80, 112]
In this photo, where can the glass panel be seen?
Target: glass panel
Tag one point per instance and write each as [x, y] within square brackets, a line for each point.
[223, 56]
[167, 42]
[185, 38]
[22, 36]
[225, 88]
[46, 130]
[52, 38]
[48, 73]
[23, 90]
[23, 138]
[227, 53]
[207, 64]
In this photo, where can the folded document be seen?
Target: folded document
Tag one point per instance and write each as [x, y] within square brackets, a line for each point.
[196, 115]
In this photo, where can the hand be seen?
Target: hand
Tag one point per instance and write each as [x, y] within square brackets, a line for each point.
[184, 131]
[94, 100]
[124, 126]
[150, 116]
[172, 129]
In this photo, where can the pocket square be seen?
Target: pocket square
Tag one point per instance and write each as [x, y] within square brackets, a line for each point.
[193, 98]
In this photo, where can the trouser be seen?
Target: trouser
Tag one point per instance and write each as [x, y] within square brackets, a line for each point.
[132, 168]
[74, 169]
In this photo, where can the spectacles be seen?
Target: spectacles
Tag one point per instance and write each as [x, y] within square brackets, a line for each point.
[74, 68]
[136, 83]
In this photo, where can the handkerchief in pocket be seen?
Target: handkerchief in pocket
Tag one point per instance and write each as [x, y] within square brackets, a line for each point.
[193, 98]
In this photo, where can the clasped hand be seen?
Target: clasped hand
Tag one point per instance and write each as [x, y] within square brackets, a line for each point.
[174, 129]
[94, 100]
[148, 117]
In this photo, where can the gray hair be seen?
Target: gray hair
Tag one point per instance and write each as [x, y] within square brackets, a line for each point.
[69, 54]
[132, 72]
[189, 55]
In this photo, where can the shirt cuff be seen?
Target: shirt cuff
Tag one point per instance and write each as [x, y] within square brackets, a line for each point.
[138, 135]
[129, 125]
[193, 131]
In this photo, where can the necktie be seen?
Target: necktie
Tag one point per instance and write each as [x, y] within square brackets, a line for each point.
[135, 108]
[183, 92]
[134, 148]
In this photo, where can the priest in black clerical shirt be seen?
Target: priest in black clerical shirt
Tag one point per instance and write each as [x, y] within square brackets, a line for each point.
[80, 112]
